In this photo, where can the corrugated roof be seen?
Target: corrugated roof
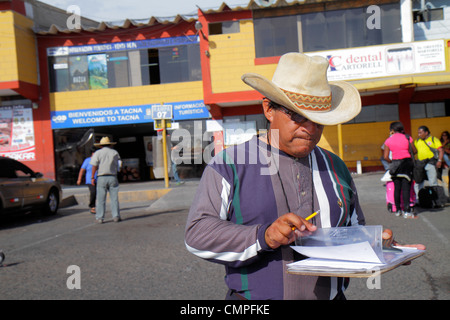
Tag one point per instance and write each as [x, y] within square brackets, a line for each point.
[124, 24]
[54, 29]
[255, 4]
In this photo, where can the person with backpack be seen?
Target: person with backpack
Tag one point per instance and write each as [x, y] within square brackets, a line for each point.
[401, 166]
[430, 152]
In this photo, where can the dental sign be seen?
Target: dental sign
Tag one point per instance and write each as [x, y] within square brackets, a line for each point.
[385, 61]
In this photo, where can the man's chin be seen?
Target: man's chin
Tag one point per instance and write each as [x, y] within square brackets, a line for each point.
[299, 152]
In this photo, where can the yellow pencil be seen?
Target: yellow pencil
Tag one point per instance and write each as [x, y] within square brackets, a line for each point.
[312, 215]
[309, 217]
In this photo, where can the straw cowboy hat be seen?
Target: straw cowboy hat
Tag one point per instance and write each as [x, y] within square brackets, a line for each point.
[300, 84]
[104, 142]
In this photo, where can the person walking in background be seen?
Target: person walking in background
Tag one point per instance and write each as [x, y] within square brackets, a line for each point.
[106, 162]
[174, 155]
[401, 166]
[86, 173]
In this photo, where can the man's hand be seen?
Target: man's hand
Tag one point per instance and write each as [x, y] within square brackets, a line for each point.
[286, 229]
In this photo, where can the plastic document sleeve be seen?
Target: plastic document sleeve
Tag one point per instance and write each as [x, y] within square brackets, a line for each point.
[348, 252]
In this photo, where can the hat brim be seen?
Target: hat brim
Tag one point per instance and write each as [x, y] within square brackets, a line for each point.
[345, 101]
[104, 144]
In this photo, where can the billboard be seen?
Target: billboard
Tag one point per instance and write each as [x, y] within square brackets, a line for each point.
[385, 61]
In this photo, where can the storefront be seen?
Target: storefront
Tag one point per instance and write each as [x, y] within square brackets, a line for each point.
[107, 85]
[133, 128]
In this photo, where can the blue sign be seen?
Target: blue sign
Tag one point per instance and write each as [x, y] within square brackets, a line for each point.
[121, 46]
[187, 110]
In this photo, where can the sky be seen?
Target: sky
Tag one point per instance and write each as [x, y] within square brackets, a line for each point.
[114, 10]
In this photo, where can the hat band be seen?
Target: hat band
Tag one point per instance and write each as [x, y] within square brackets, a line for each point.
[308, 102]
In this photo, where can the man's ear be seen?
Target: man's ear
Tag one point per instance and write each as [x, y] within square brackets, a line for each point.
[268, 111]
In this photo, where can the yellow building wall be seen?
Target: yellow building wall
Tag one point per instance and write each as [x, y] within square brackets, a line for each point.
[18, 57]
[127, 96]
[8, 53]
[26, 49]
[363, 141]
[436, 126]
[232, 55]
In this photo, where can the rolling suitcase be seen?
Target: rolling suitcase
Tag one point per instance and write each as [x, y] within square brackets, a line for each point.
[390, 200]
[432, 197]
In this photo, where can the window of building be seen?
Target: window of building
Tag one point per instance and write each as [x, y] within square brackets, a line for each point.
[150, 66]
[377, 113]
[430, 109]
[276, 36]
[180, 64]
[325, 30]
[430, 10]
[223, 27]
[59, 74]
[118, 70]
[428, 15]
[171, 64]
[125, 68]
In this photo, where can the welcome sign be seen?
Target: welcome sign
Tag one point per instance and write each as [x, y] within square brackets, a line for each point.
[125, 115]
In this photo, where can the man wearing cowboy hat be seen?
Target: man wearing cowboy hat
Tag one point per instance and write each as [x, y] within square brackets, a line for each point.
[106, 162]
[245, 216]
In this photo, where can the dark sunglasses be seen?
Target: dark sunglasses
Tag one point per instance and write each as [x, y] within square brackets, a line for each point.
[291, 114]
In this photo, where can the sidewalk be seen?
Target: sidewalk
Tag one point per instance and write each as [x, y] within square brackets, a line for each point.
[160, 198]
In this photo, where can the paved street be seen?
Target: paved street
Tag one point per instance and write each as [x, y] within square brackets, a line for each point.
[144, 257]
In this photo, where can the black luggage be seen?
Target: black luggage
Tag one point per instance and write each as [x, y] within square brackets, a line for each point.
[432, 197]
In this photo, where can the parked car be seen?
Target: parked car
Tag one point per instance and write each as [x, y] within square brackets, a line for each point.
[22, 189]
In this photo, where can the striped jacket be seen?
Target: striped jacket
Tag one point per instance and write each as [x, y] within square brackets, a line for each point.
[247, 187]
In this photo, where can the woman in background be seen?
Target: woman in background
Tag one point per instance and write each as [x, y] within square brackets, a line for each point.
[401, 166]
[445, 140]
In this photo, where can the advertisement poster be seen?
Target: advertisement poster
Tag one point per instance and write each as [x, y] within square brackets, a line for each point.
[78, 73]
[17, 132]
[98, 71]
